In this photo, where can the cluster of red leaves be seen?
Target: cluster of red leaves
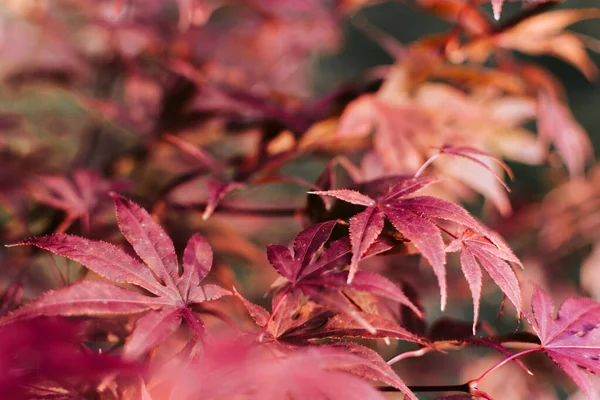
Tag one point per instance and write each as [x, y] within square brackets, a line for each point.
[415, 218]
[172, 293]
[205, 106]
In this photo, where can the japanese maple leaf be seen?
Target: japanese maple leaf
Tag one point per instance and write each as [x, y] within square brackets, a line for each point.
[476, 177]
[171, 294]
[572, 338]
[556, 124]
[413, 217]
[317, 273]
[299, 325]
[479, 251]
[78, 197]
[539, 34]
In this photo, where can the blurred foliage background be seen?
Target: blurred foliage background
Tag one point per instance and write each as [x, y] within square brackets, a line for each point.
[68, 116]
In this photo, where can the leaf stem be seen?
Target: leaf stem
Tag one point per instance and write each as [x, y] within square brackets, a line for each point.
[475, 382]
[446, 231]
[410, 354]
[470, 387]
[426, 164]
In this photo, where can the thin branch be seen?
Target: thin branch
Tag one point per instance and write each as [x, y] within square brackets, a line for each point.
[441, 388]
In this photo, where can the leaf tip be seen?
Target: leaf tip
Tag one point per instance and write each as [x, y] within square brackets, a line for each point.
[497, 9]
[351, 274]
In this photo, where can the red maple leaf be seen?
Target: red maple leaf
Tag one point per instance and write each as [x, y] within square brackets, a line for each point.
[171, 294]
[416, 218]
[317, 272]
[556, 124]
[572, 338]
[478, 250]
[78, 197]
[300, 325]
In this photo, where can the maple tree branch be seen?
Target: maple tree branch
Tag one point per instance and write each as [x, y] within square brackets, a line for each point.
[434, 388]
[468, 387]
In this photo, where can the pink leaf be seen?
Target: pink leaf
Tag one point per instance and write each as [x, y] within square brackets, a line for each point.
[433, 207]
[151, 330]
[97, 298]
[85, 298]
[381, 286]
[103, 258]
[343, 326]
[471, 153]
[197, 262]
[427, 239]
[148, 239]
[479, 249]
[365, 227]
[557, 125]
[501, 273]
[572, 339]
[310, 241]
[281, 259]
[257, 313]
[349, 196]
[77, 197]
[406, 187]
[202, 293]
[217, 192]
[473, 275]
[335, 256]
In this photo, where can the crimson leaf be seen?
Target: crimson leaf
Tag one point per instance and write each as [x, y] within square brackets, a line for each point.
[172, 293]
[294, 325]
[317, 273]
[414, 217]
[78, 197]
[572, 338]
[477, 250]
